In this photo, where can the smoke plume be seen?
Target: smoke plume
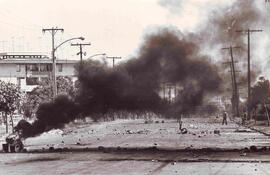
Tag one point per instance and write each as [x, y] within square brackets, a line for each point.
[165, 57]
[218, 30]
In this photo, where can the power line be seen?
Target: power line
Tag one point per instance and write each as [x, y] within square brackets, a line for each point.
[53, 32]
[80, 45]
[113, 58]
[19, 19]
[248, 32]
[235, 94]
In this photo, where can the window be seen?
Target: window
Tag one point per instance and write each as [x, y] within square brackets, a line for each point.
[18, 69]
[32, 67]
[32, 81]
[60, 67]
[45, 68]
[44, 79]
[49, 67]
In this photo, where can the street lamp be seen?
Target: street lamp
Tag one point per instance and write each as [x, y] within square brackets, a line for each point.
[103, 54]
[54, 63]
[80, 38]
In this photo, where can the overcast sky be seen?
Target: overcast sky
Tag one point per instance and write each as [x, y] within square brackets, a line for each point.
[116, 27]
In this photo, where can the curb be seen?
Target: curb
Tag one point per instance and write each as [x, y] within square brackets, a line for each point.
[153, 149]
[254, 129]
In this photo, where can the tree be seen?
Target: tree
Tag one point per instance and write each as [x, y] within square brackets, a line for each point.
[260, 94]
[10, 96]
[43, 93]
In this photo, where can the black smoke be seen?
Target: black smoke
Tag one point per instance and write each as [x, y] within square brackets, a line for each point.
[104, 89]
[50, 115]
[165, 57]
[219, 29]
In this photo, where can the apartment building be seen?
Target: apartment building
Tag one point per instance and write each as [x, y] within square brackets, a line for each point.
[26, 70]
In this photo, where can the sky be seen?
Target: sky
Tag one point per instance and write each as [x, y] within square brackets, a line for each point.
[114, 27]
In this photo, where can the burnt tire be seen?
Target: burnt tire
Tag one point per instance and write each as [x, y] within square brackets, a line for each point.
[184, 131]
[5, 147]
[18, 146]
[12, 148]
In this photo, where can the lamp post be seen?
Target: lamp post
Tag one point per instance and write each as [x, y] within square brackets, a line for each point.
[103, 54]
[54, 63]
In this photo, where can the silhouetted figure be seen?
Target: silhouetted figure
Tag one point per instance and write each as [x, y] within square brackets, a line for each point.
[244, 118]
[224, 116]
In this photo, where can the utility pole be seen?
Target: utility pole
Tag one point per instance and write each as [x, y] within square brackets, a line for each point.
[175, 91]
[113, 58]
[248, 32]
[81, 46]
[234, 91]
[164, 90]
[170, 92]
[235, 96]
[53, 31]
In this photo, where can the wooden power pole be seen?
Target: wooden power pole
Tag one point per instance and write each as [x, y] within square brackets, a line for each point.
[53, 31]
[113, 58]
[248, 32]
[80, 45]
[235, 94]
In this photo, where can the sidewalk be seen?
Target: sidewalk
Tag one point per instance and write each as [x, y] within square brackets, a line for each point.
[259, 126]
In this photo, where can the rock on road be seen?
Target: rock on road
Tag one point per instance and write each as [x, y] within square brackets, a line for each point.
[136, 133]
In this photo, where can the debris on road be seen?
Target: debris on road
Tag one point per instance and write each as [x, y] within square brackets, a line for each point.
[243, 130]
[148, 121]
[184, 130]
[253, 148]
[145, 131]
[217, 132]
[243, 154]
[13, 143]
[193, 126]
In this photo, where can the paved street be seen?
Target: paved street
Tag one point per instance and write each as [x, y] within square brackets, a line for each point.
[136, 133]
[106, 163]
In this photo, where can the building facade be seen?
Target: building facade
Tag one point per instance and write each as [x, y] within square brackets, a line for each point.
[26, 70]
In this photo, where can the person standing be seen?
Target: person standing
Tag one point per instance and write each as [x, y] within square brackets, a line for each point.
[244, 118]
[224, 118]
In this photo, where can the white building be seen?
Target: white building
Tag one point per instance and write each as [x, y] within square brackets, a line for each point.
[26, 70]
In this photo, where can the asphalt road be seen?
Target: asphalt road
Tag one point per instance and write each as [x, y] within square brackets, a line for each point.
[137, 134]
[231, 159]
[131, 163]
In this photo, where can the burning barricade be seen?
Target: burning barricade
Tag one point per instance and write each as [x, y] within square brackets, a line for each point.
[14, 141]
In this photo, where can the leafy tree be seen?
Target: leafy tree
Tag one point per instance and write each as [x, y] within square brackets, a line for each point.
[10, 96]
[44, 93]
[260, 92]
[260, 95]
